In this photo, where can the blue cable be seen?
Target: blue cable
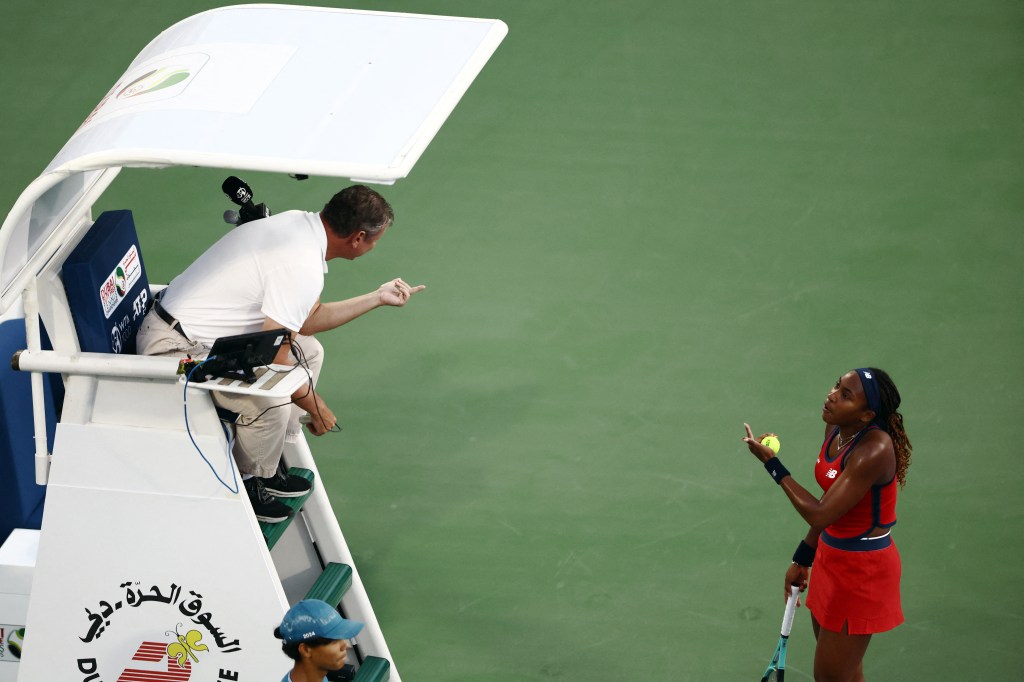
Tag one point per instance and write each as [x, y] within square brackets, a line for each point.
[188, 429]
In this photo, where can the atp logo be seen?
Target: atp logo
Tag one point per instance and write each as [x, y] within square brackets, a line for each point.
[140, 305]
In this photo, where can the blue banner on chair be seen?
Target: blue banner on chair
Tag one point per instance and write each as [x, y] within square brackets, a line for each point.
[107, 288]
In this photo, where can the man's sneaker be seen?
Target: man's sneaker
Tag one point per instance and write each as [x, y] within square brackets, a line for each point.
[266, 506]
[286, 485]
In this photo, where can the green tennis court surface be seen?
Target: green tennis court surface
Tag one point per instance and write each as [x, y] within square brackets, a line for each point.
[645, 224]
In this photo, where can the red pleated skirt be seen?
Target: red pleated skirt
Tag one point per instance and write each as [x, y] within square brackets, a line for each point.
[859, 589]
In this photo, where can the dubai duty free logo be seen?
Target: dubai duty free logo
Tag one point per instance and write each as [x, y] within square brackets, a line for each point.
[174, 638]
[146, 85]
[156, 79]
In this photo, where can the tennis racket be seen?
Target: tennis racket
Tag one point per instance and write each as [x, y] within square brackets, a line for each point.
[777, 668]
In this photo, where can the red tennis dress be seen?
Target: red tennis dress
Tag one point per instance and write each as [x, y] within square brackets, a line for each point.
[856, 580]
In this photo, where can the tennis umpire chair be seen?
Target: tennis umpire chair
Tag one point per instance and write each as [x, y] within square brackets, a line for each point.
[108, 295]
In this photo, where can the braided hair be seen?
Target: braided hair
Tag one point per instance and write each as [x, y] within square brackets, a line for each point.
[893, 423]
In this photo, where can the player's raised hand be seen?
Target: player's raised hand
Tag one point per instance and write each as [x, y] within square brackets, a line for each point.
[757, 448]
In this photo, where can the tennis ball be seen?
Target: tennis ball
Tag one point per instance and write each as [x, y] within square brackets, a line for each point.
[772, 442]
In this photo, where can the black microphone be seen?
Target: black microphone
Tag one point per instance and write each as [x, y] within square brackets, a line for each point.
[240, 194]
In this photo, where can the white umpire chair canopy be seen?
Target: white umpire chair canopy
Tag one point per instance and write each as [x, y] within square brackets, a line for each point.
[298, 90]
[273, 88]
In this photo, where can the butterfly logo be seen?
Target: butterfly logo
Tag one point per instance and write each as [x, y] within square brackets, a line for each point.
[186, 645]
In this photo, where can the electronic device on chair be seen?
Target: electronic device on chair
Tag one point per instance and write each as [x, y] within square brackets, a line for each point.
[237, 357]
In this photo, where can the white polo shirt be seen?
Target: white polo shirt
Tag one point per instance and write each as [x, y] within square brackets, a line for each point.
[266, 268]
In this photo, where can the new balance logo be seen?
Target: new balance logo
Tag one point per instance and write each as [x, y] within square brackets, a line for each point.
[831, 473]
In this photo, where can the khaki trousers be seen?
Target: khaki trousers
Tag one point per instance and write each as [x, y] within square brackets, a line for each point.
[263, 423]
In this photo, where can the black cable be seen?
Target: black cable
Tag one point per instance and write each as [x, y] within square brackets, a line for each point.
[301, 361]
[300, 357]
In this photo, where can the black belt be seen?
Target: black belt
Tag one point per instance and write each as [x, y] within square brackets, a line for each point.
[168, 318]
[861, 544]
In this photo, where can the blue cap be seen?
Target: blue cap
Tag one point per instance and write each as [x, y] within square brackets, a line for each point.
[312, 618]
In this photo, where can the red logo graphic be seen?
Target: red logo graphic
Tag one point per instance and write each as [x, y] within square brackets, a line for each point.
[154, 652]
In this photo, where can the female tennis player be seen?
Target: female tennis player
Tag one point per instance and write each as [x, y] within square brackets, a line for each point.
[855, 592]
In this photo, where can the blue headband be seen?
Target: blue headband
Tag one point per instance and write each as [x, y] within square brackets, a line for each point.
[871, 392]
